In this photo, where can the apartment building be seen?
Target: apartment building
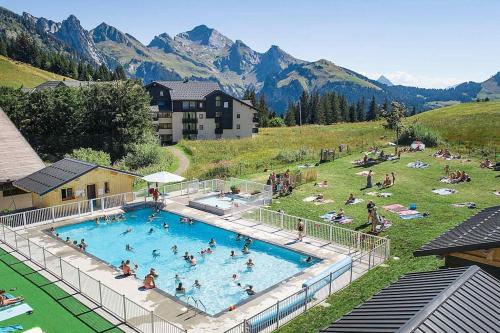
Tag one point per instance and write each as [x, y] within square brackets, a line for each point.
[199, 110]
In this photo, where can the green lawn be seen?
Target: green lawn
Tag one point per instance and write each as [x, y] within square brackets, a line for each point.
[54, 310]
[16, 74]
[412, 186]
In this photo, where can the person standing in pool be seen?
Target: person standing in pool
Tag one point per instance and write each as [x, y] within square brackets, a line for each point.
[174, 249]
[212, 242]
[245, 249]
[238, 237]
[156, 253]
[129, 248]
[233, 254]
[197, 284]
[250, 263]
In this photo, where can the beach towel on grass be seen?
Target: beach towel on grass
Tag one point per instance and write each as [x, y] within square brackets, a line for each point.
[310, 198]
[444, 191]
[14, 310]
[394, 208]
[418, 165]
[411, 216]
[356, 201]
[380, 195]
[322, 202]
[470, 205]
[328, 216]
[363, 173]
[344, 220]
[10, 328]
[382, 227]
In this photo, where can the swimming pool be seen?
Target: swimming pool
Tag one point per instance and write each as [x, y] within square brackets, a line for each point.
[218, 291]
[217, 205]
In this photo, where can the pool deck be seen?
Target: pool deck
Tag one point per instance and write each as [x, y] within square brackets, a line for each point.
[173, 311]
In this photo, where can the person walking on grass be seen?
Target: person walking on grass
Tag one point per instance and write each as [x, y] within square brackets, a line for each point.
[393, 177]
[300, 229]
[369, 180]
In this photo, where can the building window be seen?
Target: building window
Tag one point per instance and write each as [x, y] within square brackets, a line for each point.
[185, 105]
[238, 115]
[238, 126]
[67, 194]
[192, 105]
[106, 187]
[201, 127]
[226, 105]
[200, 105]
[165, 125]
[217, 101]
[161, 92]
[200, 115]
[165, 115]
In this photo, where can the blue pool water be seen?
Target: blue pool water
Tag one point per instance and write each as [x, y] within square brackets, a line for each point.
[223, 203]
[273, 264]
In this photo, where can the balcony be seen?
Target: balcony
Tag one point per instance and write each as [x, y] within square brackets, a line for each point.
[255, 130]
[255, 119]
[188, 131]
[189, 120]
[219, 131]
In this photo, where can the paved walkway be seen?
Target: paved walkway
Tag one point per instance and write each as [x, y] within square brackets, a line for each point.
[183, 160]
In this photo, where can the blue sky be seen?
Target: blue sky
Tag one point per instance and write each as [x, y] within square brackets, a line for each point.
[431, 43]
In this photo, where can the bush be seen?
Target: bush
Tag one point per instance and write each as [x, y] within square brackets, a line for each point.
[91, 156]
[147, 155]
[290, 156]
[276, 122]
[417, 131]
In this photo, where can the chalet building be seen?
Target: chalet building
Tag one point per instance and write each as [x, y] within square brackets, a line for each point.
[70, 180]
[463, 299]
[199, 110]
[54, 84]
[17, 160]
[476, 241]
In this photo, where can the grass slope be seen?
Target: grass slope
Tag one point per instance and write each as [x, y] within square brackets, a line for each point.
[54, 310]
[412, 186]
[17, 74]
[475, 124]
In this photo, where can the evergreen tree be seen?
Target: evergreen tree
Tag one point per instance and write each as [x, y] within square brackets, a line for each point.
[344, 108]
[119, 73]
[352, 113]
[290, 115]
[372, 110]
[263, 111]
[314, 110]
[303, 108]
[327, 108]
[413, 111]
[361, 114]
[335, 106]
[250, 95]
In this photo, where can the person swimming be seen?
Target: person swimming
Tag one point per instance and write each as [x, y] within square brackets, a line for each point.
[248, 241]
[165, 225]
[156, 253]
[126, 231]
[129, 248]
[174, 249]
[249, 290]
[238, 237]
[180, 289]
[209, 251]
[177, 279]
[197, 284]
[192, 260]
[150, 231]
[250, 263]
[186, 256]
[212, 242]
[233, 254]
[245, 249]
[308, 259]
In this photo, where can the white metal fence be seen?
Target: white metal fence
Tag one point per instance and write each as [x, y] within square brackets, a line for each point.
[126, 310]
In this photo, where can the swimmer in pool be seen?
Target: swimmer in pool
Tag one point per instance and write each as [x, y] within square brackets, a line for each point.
[186, 256]
[245, 249]
[249, 290]
[150, 231]
[212, 242]
[250, 263]
[248, 241]
[165, 225]
[156, 254]
[197, 284]
[238, 237]
[129, 248]
[192, 260]
[177, 278]
[126, 232]
[309, 259]
[209, 251]
[233, 254]
[174, 249]
[180, 289]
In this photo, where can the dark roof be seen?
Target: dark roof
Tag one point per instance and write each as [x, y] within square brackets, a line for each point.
[17, 157]
[478, 232]
[57, 174]
[463, 299]
[59, 83]
[189, 90]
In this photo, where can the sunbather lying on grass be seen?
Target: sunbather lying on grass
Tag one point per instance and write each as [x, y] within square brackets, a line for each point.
[4, 301]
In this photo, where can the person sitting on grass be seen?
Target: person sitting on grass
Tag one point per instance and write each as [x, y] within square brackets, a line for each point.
[350, 200]
[487, 164]
[387, 181]
[149, 280]
[4, 301]
[340, 215]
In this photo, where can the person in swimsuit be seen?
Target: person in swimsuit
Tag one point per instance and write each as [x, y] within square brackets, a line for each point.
[300, 229]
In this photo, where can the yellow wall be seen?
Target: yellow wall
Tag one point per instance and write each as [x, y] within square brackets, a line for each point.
[14, 202]
[118, 183]
[488, 257]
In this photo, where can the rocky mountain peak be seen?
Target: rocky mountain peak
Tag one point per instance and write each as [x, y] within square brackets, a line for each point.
[163, 42]
[203, 35]
[382, 79]
[105, 32]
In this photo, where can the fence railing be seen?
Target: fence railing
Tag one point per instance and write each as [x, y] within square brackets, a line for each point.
[57, 213]
[121, 307]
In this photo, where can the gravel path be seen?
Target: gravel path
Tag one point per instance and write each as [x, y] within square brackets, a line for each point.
[183, 160]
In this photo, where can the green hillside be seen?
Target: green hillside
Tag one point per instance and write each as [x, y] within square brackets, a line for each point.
[474, 124]
[16, 74]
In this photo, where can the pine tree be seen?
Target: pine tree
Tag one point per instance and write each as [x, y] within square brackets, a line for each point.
[372, 110]
[344, 108]
[352, 113]
[250, 95]
[334, 104]
[119, 73]
[413, 111]
[361, 110]
[290, 119]
[386, 107]
[263, 111]
[303, 108]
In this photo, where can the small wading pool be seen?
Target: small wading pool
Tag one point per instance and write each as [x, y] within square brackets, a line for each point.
[218, 291]
[220, 206]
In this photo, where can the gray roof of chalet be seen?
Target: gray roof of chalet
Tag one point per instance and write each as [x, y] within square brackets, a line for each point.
[58, 174]
[17, 158]
[189, 90]
[60, 83]
[463, 299]
[479, 232]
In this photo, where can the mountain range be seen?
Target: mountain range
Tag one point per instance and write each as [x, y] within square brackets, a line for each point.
[204, 53]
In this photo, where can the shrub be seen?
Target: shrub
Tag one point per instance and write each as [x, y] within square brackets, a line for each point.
[147, 155]
[417, 131]
[290, 156]
[91, 156]
[276, 122]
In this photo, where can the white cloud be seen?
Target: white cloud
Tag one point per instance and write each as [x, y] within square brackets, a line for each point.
[423, 81]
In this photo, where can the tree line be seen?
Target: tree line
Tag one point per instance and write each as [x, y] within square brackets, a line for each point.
[24, 48]
[109, 117]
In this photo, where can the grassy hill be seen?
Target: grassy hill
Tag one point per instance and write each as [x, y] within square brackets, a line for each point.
[469, 123]
[16, 74]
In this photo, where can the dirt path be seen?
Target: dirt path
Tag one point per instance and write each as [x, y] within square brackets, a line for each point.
[183, 160]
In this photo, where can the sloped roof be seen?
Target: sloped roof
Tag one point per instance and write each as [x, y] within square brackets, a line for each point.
[58, 174]
[17, 158]
[479, 232]
[53, 84]
[189, 90]
[463, 299]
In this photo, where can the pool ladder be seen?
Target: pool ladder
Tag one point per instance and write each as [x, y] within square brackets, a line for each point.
[196, 302]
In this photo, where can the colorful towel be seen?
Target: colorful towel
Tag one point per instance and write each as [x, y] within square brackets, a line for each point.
[322, 202]
[418, 165]
[310, 198]
[444, 191]
[11, 328]
[382, 227]
[14, 311]
[328, 216]
[395, 208]
[411, 216]
[380, 195]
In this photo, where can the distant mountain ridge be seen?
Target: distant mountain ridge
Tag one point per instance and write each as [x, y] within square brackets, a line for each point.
[203, 53]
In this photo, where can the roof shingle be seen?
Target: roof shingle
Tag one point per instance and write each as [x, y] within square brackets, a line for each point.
[189, 90]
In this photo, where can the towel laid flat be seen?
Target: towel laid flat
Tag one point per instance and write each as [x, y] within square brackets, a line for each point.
[14, 311]
[444, 191]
